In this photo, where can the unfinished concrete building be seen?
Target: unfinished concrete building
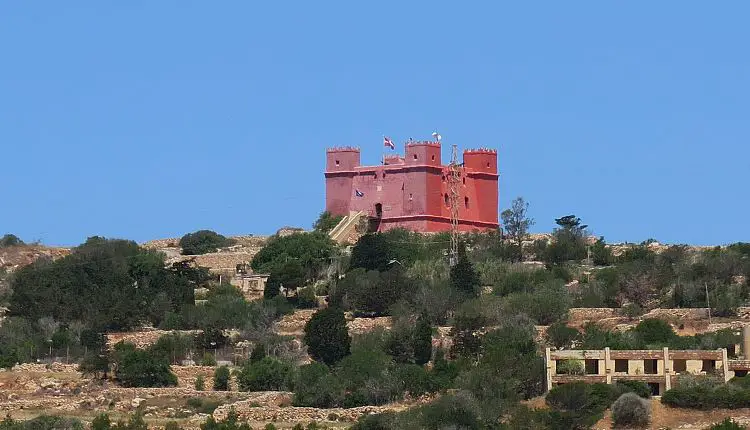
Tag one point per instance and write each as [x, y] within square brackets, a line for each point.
[657, 368]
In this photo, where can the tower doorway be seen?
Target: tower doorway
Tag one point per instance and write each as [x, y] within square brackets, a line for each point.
[378, 210]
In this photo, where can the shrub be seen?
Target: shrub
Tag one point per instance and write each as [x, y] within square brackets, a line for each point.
[203, 406]
[327, 336]
[326, 222]
[200, 383]
[570, 367]
[306, 298]
[221, 379]
[203, 242]
[637, 387]
[630, 410]
[560, 335]
[727, 424]
[140, 368]
[208, 359]
[9, 240]
[268, 374]
[654, 331]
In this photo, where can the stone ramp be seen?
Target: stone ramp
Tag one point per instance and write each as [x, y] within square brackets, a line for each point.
[344, 229]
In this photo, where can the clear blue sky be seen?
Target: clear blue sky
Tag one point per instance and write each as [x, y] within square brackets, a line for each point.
[150, 119]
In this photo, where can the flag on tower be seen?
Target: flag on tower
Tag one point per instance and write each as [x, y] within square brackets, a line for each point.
[388, 142]
[437, 136]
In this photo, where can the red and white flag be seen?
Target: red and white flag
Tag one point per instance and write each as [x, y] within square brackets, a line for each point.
[388, 142]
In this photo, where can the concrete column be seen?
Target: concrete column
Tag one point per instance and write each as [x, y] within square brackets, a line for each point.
[725, 364]
[548, 366]
[608, 366]
[667, 370]
[746, 341]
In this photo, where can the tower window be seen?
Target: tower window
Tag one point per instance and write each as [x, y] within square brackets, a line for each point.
[337, 162]
[464, 179]
[433, 158]
[411, 197]
[447, 203]
[466, 202]
[415, 156]
[488, 164]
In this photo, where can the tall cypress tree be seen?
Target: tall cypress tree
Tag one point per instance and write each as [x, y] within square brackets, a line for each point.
[463, 276]
[422, 340]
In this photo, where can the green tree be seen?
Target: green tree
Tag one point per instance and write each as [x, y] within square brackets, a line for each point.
[104, 284]
[221, 378]
[463, 276]
[653, 331]
[9, 240]
[568, 241]
[268, 374]
[289, 274]
[327, 336]
[326, 222]
[312, 250]
[422, 340]
[141, 368]
[561, 336]
[371, 252]
[200, 383]
[203, 242]
[517, 222]
[601, 255]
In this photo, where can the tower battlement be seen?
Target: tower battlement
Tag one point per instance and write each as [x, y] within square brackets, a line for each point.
[480, 151]
[343, 149]
[414, 143]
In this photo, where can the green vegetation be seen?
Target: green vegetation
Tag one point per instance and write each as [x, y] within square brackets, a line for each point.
[203, 242]
[727, 424]
[631, 410]
[326, 222]
[492, 299]
[221, 379]
[327, 337]
[44, 422]
[708, 393]
[9, 240]
[141, 368]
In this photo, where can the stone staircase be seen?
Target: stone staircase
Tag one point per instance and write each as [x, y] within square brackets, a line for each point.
[343, 231]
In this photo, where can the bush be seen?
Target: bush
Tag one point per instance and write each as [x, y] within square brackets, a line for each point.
[200, 383]
[653, 331]
[570, 367]
[203, 242]
[327, 336]
[203, 406]
[306, 298]
[208, 359]
[631, 410]
[9, 240]
[221, 379]
[706, 393]
[326, 222]
[727, 424]
[140, 368]
[561, 336]
[640, 388]
[268, 374]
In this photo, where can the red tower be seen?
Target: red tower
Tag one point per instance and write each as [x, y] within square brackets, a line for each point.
[413, 191]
